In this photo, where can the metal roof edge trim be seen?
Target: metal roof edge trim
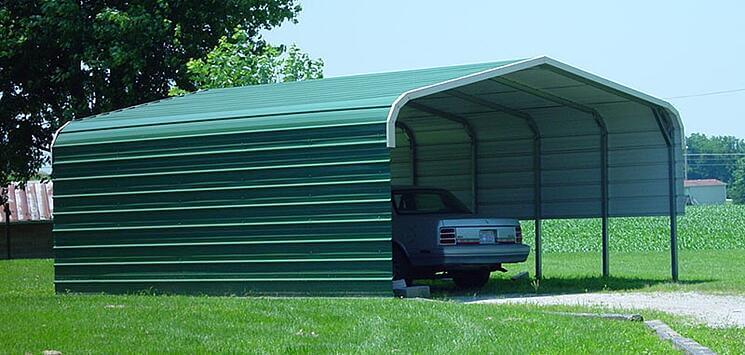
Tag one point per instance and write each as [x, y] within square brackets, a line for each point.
[368, 103]
[404, 98]
[54, 140]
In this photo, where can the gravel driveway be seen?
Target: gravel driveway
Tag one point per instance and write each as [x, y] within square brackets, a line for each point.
[713, 310]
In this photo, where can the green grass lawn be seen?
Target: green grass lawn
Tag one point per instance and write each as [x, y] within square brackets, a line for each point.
[713, 271]
[721, 340]
[712, 259]
[33, 319]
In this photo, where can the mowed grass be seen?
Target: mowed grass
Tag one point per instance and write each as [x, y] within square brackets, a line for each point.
[712, 259]
[729, 340]
[709, 271]
[33, 319]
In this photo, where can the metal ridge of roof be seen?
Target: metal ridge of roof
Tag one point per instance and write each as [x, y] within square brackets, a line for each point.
[286, 97]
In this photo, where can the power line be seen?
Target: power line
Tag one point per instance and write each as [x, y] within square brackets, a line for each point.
[705, 94]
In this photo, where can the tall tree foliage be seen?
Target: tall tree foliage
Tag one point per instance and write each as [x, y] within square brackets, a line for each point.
[737, 189]
[237, 61]
[713, 157]
[67, 59]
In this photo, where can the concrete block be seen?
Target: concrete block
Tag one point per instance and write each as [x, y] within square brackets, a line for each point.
[412, 292]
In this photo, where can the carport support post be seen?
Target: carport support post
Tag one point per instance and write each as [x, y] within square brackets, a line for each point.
[538, 256]
[663, 119]
[412, 150]
[474, 172]
[604, 195]
[538, 206]
[674, 239]
[673, 203]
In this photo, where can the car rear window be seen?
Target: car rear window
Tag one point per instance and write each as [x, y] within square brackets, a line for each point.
[427, 201]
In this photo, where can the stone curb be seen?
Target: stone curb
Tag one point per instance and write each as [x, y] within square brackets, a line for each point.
[616, 316]
[689, 346]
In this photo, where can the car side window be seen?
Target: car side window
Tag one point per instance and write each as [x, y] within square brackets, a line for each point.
[429, 203]
[397, 201]
[404, 202]
[419, 202]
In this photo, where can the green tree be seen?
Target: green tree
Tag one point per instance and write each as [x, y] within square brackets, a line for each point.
[737, 188]
[67, 59]
[713, 156]
[237, 61]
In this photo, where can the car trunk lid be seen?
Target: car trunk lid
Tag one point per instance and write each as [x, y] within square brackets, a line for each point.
[479, 230]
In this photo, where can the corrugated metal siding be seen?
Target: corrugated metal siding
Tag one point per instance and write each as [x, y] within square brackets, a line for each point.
[297, 211]
[32, 204]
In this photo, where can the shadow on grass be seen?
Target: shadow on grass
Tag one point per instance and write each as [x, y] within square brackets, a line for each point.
[549, 285]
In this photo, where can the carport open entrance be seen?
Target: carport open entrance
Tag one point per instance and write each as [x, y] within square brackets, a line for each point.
[539, 140]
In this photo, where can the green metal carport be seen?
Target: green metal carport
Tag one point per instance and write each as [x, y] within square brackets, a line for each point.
[285, 188]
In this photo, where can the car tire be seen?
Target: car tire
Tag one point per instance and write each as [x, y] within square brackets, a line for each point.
[401, 265]
[471, 279]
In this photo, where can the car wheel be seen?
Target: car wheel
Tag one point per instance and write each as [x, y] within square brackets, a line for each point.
[401, 265]
[471, 279]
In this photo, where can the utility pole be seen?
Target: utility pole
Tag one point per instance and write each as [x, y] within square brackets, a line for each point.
[6, 210]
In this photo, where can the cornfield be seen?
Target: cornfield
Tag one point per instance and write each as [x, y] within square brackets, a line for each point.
[702, 227]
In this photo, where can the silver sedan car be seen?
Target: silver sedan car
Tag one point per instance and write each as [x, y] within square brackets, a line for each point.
[435, 235]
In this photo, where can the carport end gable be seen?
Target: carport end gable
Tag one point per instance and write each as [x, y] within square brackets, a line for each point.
[520, 65]
[621, 133]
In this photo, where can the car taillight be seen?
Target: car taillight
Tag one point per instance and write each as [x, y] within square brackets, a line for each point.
[447, 236]
[518, 234]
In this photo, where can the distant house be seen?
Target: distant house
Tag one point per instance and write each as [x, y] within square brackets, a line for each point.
[30, 221]
[705, 192]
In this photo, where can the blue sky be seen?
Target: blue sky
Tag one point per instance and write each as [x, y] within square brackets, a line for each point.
[663, 48]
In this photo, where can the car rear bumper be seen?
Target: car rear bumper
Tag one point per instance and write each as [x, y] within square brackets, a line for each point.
[475, 256]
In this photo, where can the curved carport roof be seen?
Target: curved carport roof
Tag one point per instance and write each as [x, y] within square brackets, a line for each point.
[531, 139]
[541, 139]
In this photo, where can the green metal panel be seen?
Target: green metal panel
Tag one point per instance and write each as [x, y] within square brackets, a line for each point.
[298, 211]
